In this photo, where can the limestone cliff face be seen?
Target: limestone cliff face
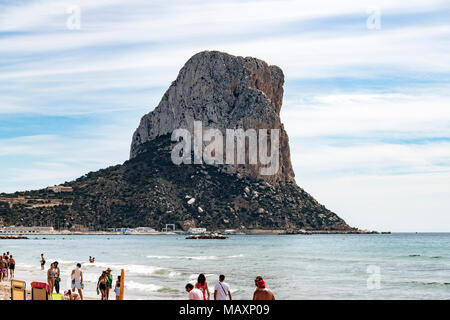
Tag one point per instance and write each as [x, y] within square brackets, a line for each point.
[224, 92]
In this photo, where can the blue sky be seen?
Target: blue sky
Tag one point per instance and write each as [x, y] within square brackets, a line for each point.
[367, 109]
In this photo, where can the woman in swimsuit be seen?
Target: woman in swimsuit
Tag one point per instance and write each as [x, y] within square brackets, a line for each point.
[51, 276]
[101, 284]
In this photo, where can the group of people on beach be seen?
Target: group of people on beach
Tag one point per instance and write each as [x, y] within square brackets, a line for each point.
[7, 266]
[104, 283]
[200, 291]
[222, 290]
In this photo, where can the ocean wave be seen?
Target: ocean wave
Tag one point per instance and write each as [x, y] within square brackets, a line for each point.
[142, 286]
[423, 256]
[195, 257]
[431, 284]
[131, 268]
[142, 269]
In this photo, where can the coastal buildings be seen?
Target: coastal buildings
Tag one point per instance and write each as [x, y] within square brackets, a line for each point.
[197, 230]
[138, 230]
[25, 230]
[58, 189]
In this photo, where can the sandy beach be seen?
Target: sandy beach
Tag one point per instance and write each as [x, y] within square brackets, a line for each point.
[5, 291]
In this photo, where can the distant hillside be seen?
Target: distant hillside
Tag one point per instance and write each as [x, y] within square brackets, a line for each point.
[218, 91]
[149, 190]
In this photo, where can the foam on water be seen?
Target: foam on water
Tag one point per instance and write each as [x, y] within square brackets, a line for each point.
[196, 257]
[411, 266]
[142, 287]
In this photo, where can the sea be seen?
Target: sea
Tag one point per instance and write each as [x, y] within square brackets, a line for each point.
[328, 266]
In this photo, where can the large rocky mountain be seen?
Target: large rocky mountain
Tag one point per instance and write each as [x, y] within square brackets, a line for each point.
[222, 91]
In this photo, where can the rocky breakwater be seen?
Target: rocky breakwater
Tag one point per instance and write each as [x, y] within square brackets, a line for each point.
[207, 236]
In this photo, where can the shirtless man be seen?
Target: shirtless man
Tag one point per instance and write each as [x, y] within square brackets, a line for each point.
[12, 266]
[42, 261]
[261, 293]
[77, 280]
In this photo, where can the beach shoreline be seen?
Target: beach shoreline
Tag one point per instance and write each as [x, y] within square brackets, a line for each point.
[246, 232]
[158, 268]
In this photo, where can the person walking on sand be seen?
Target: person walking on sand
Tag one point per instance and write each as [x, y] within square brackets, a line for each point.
[108, 282]
[2, 268]
[6, 262]
[117, 288]
[222, 289]
[12, 267]
[42, 261]
[101, 284]
[203, 286]
[261, 292]
[57, 276]
[193, 293]
[51, 276]
[77, 280]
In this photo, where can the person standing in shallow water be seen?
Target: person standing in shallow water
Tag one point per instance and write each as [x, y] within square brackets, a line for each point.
[202, 285]
[261, 292]
[193, 293]
[222, 289]
[42, 261]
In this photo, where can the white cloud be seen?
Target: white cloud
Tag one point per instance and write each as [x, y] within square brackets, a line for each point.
[382, 115]
[401, 203]
[126, 48]
[380, 159]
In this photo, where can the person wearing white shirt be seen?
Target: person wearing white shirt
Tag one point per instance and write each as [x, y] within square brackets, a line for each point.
[193, 293]
[222, 289]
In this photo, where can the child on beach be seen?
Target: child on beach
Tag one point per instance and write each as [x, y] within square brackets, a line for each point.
[117, 288]
[68, 295]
